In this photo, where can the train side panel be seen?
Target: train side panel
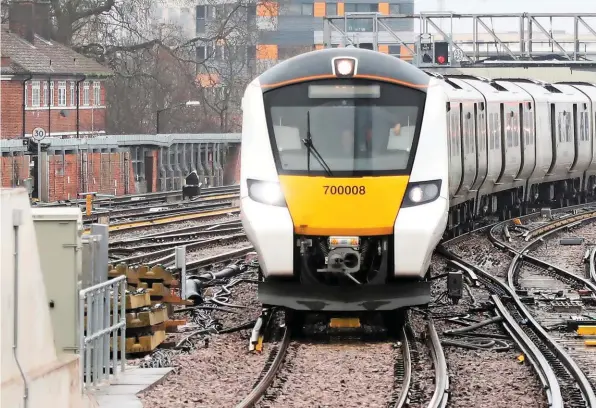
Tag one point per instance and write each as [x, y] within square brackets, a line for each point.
[418, 229]
[269, 228]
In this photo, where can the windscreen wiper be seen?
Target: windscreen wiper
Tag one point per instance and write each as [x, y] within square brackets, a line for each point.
[312, 150]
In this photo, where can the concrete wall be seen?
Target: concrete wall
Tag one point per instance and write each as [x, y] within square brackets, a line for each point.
[53, 379]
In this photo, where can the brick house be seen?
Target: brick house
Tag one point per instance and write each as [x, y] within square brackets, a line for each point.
[46, 84]
[63, 91]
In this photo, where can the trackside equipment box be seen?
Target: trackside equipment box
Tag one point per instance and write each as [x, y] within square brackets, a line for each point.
[59, 232]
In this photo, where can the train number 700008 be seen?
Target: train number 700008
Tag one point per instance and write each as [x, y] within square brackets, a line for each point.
[345, 190]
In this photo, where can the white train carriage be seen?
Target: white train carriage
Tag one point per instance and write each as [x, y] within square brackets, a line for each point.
[587, 128]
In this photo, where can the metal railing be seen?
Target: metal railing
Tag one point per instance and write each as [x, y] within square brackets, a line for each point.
[94, 346]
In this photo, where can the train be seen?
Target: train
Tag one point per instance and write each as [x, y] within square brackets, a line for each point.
[355, 164]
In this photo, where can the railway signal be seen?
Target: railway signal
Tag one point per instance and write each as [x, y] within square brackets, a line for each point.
[441, 52]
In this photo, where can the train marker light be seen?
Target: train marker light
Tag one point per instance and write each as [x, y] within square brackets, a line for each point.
[344, 67]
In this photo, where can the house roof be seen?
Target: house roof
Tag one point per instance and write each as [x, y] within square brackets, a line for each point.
[45, 57]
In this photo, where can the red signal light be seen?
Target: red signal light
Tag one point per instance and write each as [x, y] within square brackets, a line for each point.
[441, 59]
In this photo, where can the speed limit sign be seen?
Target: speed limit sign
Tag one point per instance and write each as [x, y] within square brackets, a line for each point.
[38, 134]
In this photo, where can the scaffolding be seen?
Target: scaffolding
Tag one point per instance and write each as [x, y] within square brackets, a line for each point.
[534, 42]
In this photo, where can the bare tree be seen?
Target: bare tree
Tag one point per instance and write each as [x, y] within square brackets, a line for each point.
[155, 63]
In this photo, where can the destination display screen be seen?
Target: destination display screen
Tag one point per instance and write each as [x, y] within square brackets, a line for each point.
[344, 91]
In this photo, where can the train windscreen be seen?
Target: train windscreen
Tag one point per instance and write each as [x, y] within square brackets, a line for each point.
[344, 127]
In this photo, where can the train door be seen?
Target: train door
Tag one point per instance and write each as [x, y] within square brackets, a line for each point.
[495, 161]
[511, 152]
[481, 145]
[455, 164]
[582, 142]
[528, 147]
[467, 125]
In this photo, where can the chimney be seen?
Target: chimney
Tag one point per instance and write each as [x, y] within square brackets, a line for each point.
[5, 61]
[20, 19]
[29, 17]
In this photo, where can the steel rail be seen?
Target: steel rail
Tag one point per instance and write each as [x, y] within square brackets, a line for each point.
[440, 395]
[132, 225]
[407, 381]
[147, 216]
[518, 256]
[259, 390]
[592, 264]
[538, 234]
[115, 213]
[463, 236]
[225, 256]
[545, 371]
[537, 359]
[168, 253]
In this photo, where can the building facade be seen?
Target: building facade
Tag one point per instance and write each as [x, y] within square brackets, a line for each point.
[47, 85]
[60, 91]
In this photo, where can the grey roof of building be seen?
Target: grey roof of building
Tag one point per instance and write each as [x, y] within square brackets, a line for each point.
[45, 57]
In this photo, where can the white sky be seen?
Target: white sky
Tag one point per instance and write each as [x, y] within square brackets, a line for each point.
[513, 6]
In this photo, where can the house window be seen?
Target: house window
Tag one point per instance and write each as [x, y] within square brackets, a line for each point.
[96, 93]
[46, 94]
[298, 9]
[62, 93]
[86, 94]
[35, 94]
[200, 51]
[73, 95]
[394, 8]
[200, 19]
[360, 25]
[331, 9]
[52, 93]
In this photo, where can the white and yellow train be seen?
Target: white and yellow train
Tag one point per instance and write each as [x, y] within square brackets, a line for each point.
[354, 163]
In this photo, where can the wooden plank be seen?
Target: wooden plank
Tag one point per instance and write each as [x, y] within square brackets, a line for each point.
[146, 318]
[143, 344]
[156, 273]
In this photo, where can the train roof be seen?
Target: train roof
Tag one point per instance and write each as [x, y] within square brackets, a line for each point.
[318, 64]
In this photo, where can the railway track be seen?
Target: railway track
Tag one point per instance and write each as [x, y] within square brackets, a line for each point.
[135, 199]
[564, 381]
[143, 210]
[195, 215]
[288, 350]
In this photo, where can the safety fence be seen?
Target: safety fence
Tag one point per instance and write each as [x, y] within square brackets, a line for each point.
[101, 315]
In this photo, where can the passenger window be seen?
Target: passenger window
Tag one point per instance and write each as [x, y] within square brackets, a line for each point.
[509, 130]
[497, 132]
[559, 127]
[568, 127]
[581, 126]
[515, 130]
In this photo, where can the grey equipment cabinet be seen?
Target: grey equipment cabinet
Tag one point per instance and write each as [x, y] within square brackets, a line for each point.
[58, 232]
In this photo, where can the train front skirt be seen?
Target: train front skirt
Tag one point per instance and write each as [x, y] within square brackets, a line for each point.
[298, 296]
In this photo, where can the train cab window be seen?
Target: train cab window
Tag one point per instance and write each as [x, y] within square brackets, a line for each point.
[357, 127]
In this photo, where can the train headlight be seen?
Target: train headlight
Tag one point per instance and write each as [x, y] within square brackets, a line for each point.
[344, 67]
[266, 192]
[421, 193]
